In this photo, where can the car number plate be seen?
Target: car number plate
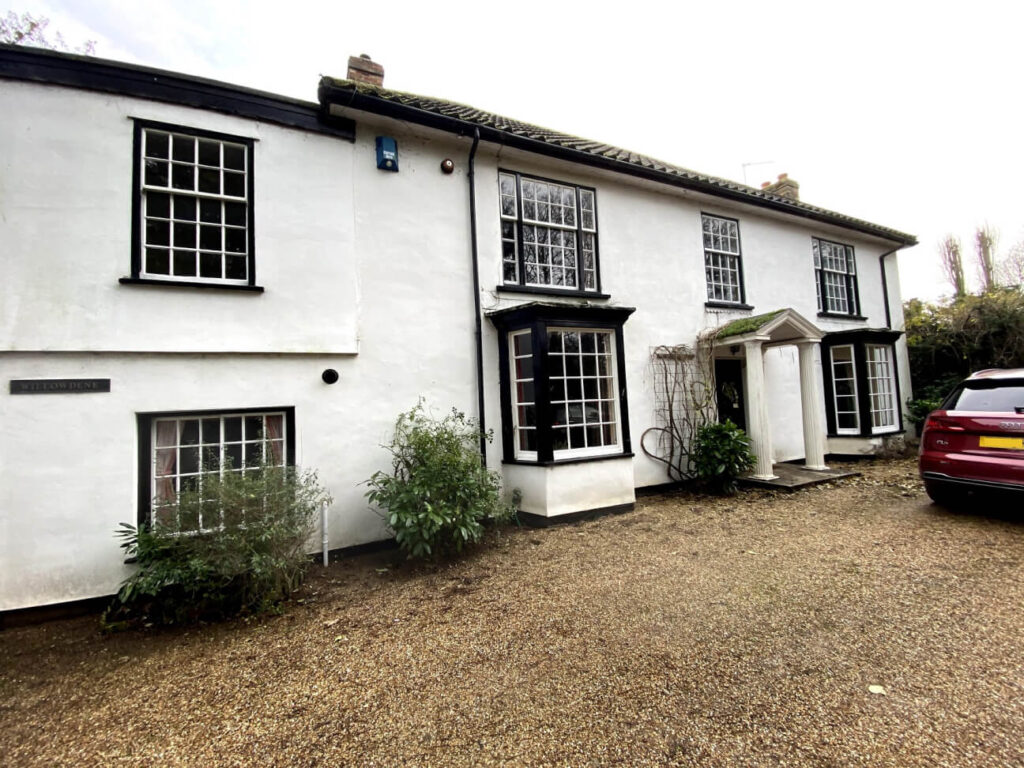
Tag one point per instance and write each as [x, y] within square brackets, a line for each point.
[1016, 443]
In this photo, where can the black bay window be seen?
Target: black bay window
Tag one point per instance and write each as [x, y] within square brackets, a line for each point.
[563, 381]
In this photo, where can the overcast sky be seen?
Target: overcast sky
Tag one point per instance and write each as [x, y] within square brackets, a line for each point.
[902, 113]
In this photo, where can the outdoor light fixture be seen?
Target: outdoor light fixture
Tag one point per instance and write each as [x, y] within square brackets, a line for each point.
[447, 165]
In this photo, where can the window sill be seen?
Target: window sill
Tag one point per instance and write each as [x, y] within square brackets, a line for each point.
[561, 462]
[551, 292]
[726, 305]
[838, 316]
[187, 284]
[868, 436]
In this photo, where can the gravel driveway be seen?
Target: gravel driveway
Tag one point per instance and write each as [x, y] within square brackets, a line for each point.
[739, 632]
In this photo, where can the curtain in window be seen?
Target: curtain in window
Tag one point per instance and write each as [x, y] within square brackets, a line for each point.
[275, 429]
[166, 461]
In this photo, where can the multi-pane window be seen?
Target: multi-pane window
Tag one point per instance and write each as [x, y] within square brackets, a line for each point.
[581, 390]
[548, 234]
[844, 390]
[835, 271]
[195, 206]
[881, 388]
[524, 405]
[722, 259]
[582, 397]
[183, 449]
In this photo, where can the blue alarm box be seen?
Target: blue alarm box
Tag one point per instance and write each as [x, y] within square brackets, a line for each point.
[387, 153]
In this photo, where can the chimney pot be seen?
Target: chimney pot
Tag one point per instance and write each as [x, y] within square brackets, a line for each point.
[363, 69]
[765, 184]
[784, 187]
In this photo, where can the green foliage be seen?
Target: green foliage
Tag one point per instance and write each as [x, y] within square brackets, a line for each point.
[248, 557]
[746, 324]
[438, 495]
[950, 340]
[721, 453]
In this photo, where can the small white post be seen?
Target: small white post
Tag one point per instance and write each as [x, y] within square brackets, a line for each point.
[323, 533]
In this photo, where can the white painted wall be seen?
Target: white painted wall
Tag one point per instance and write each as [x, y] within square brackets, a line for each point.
[365, 271]
[66, 193]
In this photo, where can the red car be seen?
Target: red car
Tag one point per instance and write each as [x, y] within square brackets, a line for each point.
[975, 440]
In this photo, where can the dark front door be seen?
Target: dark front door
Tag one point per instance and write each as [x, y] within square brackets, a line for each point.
[729, 392]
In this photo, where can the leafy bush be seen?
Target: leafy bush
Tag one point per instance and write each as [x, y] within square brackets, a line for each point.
[438, 495]
[248, 556]
[721, 453]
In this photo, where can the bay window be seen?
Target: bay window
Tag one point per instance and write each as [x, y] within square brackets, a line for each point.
[563, 383]
[861, 389]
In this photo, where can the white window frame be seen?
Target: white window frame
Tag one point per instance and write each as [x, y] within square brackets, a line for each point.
[578, 237]
[855, 430]
[612, 361]
[514, 382]
[881, 388]
[722, 256]
[159, 445]
[836, 288]
[613, 399]
[178, 237]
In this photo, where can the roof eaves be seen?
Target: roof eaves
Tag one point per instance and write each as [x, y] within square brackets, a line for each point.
[463, 120]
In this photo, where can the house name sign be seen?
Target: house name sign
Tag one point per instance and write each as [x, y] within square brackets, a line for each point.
[58, 386]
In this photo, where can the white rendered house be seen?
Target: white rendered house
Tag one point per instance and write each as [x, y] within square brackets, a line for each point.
[190, 267]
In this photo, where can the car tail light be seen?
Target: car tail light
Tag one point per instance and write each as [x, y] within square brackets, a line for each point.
[940, 433]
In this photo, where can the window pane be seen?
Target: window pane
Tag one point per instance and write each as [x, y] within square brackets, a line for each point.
[158, 262]
[209, 180]
[185, 263]
[157, 144]
[158, 205]
[210, 265]
[234, 157]
[156, 174]
[209, 153]
[183, 177]
[184, 208]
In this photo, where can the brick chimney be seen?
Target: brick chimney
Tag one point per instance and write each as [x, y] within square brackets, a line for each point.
[363, 69]
[784, 187]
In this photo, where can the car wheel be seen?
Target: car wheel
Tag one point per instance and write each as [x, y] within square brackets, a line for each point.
[943, 495]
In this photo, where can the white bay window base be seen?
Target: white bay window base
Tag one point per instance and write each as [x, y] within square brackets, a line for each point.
[556, 490]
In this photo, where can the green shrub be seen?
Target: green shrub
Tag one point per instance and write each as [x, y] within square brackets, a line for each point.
[247, 558]
[721, 453]
[438, 495]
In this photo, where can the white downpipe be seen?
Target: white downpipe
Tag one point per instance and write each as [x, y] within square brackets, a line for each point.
[323, 533]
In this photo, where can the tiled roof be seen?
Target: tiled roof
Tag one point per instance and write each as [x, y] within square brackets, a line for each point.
[450, 115]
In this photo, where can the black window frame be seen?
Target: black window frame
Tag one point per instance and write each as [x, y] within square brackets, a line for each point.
[850, 279]
[860, 340]
[144, 428]
[520, 286]
[539, 319]
[138, 225]
[713, 302]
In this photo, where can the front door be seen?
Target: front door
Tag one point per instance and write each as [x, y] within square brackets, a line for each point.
[729, 392]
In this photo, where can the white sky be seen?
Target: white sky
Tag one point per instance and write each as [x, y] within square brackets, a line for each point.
[902, 113]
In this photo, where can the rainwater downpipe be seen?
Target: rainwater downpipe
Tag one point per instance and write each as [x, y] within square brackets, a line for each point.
[885, 286]
[476, 298]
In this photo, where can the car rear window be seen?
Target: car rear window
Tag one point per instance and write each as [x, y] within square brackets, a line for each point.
[1005, 397]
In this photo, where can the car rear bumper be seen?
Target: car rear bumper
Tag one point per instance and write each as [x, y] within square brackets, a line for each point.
[972, 484]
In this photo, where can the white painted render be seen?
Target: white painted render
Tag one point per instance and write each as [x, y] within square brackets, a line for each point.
[366, 272]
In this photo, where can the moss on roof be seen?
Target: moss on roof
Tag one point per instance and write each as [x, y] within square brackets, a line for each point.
[747, 324]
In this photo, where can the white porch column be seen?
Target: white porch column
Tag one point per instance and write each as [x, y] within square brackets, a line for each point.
[810, 386]
[758, 428]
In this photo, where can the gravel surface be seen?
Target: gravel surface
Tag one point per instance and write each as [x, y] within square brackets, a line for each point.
[851, 624]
